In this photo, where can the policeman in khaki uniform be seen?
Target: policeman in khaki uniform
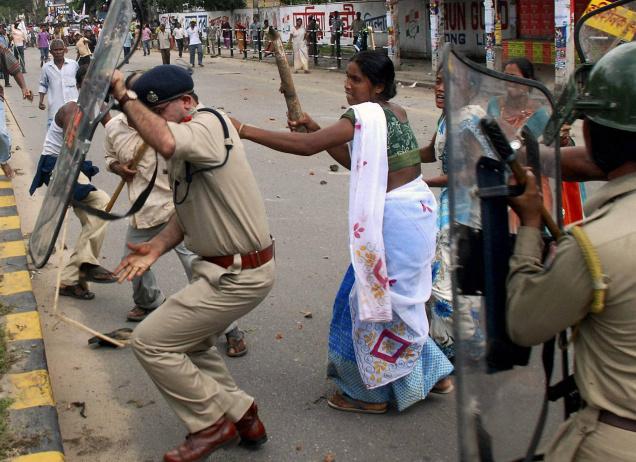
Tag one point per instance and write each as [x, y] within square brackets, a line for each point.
[599, 297]
[220, 215]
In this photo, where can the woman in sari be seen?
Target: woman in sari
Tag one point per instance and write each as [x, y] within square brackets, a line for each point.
[440, 305]
[297, 38]
[379, 348]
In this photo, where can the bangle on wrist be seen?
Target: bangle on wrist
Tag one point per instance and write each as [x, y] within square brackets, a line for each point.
[240, 130]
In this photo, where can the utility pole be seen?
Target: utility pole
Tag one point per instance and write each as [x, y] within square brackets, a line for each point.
[489, 21]
[437, 32]
[392, 25]
[564, 53]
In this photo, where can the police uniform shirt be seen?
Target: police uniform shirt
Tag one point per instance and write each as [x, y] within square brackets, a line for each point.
[223, 212]
[543, 302]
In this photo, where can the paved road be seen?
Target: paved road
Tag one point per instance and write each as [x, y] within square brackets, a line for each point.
[126, 418]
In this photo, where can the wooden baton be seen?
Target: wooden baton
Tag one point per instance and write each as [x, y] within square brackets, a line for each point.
[287, 88]
[502, 147]
[139, 154]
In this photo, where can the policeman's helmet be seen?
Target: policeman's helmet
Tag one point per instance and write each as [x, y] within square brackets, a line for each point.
[609, 95]
[604, 93]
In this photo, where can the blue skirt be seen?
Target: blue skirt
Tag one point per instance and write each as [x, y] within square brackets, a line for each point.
[342, 367]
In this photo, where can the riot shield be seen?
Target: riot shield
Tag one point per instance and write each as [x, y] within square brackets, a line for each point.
[496, 398]
[597, 32]
[604, 28]
[77, 138]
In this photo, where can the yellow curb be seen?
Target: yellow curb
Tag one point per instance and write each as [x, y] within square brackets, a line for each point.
[4, 184]
[16, 282]
[48, 456]
[12, 249]
[23, 326]
[30, 389]
[7, 201]
[10, 222]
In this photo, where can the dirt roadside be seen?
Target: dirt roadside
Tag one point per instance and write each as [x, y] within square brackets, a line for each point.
[95, 436]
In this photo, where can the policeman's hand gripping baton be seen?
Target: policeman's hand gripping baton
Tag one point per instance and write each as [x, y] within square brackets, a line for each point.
[502, 147]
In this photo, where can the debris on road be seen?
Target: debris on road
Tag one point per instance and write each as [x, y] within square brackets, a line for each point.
[82, 407]
[334, 167]
[330, 457]
[122, 334]
[279, 336]
[139, 404]
[307, 314]
[323, 182]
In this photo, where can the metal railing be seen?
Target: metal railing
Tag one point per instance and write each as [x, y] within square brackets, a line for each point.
[244, 43]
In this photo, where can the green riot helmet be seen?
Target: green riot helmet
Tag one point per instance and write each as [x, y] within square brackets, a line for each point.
[611, 85]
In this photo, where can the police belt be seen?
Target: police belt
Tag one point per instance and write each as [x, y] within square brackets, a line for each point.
[614, 420]
[250, 260]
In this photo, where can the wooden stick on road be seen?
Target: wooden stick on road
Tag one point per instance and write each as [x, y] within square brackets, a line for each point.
[139, 154]
[294, 111]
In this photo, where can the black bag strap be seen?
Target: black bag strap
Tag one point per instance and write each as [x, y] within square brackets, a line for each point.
[137, 205]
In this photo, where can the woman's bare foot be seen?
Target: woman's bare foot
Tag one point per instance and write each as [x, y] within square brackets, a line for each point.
[8, 171]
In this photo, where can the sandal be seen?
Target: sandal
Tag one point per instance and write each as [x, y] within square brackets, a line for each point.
[342, 402]
[76, 291]
[96, 273]
[236, 346]
[137, 314]
[442, 389]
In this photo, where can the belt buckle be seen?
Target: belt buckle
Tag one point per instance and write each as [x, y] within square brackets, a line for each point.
[256, 254]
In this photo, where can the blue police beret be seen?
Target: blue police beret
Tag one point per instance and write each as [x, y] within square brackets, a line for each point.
[163, 83]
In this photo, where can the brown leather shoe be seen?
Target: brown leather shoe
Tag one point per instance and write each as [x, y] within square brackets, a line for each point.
[205, 442]
[251, 429]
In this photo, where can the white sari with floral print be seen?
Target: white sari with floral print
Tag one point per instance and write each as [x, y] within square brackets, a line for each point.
[392, 244]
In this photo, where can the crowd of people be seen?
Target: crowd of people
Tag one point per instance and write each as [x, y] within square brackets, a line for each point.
[391, 339]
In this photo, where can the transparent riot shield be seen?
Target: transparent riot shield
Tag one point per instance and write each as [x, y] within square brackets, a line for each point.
[597, 32]
[604, 28]
[77, 138]
[498, 398]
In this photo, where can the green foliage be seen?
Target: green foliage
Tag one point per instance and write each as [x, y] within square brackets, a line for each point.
[10, 9]
[5, 436]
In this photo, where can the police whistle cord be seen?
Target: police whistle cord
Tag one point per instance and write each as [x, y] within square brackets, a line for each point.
[502, 147]
[56, 298]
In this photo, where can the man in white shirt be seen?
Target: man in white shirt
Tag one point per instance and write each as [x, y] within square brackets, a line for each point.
[163, 37]
[121, 145]
[58, 80]
[18, 37]
[194, 43]
[177, 33]
[83, 265]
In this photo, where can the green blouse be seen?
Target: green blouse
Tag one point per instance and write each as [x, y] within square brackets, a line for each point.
[402, 149]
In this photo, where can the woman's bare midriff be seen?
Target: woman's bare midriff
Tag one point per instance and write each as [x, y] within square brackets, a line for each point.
[402, 177]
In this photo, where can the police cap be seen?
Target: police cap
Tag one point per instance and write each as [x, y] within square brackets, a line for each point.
[163, 83]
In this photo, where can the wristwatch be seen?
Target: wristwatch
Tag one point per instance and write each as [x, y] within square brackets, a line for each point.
[129, 95]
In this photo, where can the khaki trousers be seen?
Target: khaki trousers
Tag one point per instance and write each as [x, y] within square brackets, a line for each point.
[89, 243]
[175, 344]
[582, 438]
